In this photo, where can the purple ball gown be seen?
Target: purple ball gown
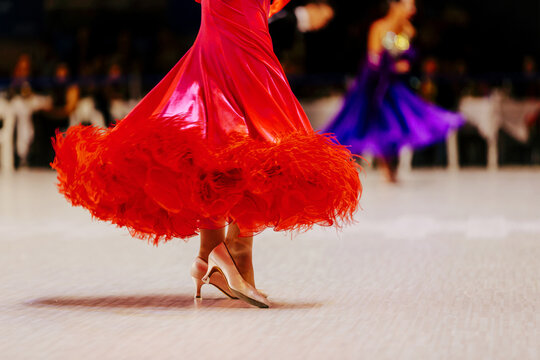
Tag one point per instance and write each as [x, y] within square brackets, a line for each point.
[381, 114]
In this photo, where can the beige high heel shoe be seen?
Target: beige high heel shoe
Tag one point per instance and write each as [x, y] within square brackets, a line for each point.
[199, 269]
[221, 261]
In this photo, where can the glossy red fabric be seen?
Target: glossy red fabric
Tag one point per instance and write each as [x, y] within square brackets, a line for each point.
[276, 6]
[220, 138]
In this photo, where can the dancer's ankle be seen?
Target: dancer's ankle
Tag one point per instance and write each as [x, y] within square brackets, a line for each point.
[241, 252]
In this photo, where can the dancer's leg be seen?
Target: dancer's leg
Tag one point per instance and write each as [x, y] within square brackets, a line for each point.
[389, 168]
[209, 240]
[241, 249]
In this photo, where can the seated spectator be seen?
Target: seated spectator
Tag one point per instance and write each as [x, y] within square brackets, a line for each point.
[527, 85]
[20, 81]
[116, 88]
[65, 95]
[19, 94]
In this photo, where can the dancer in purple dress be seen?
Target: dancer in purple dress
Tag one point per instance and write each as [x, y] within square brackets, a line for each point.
[380, 114]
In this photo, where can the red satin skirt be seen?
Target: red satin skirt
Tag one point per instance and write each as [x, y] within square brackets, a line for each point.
[220, 139]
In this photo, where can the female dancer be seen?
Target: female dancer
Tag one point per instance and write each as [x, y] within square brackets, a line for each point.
[380, 114]
[220, 140]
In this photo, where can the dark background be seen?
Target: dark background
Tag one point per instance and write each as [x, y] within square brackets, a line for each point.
[122, 48]
[491, 37]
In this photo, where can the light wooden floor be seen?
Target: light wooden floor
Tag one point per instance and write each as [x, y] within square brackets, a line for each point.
[442, 266]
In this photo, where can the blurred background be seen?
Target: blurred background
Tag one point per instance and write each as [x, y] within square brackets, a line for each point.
[89, 61]
[442, 266]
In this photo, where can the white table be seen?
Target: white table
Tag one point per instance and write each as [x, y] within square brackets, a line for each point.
[495, 112]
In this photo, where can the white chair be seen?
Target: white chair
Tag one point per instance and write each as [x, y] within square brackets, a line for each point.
[6, 137]
[515, 114]
[22, 109]
[320, 111]
[452, 151]
[485, 114]
[120, 108]
[405, 159]
[86, 112]
[498, 111]
[406, 155]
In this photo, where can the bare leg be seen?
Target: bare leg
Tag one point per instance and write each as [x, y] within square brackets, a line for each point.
[209, 240]
[389, 169]
[241, 249]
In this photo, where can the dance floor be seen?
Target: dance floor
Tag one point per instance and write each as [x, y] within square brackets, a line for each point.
[441, 266]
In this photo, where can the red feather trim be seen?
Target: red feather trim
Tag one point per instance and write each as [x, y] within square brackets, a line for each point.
[161, 182]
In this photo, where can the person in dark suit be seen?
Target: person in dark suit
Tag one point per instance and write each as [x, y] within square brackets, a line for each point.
[310, 18]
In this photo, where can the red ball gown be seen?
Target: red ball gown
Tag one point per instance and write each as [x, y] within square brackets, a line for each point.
[220, 139]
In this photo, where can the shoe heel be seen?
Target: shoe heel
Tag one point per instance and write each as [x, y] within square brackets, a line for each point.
[198, 285]
[206, 278]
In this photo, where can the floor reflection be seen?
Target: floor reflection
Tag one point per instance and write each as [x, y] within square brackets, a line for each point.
[156, 301]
